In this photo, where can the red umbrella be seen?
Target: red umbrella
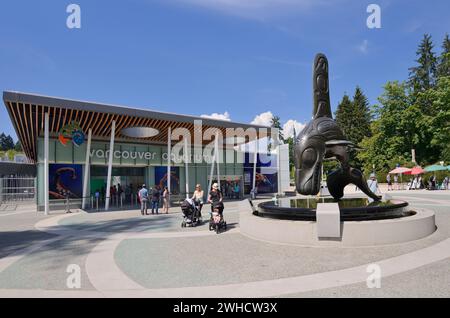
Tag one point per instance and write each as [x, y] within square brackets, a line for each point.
[400, 170]
[416, 170]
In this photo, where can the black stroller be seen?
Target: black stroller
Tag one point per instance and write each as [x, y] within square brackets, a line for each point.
[191, 215]
[216, 221]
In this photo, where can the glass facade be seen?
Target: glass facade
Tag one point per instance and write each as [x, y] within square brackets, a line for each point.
[135, 164]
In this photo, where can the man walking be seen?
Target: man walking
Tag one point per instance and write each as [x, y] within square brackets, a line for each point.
[143, 198]
[156, 194]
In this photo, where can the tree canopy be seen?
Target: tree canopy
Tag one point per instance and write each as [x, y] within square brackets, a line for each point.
[414, 114]
[6, 142]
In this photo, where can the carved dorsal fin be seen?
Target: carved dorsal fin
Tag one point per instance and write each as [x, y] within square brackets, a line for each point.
[321, 88]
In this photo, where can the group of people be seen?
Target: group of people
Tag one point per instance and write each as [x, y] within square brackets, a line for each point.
[232, 190]
[432, 183]
[154, 196]
[395, 185]
[117, 194]
[418, 182]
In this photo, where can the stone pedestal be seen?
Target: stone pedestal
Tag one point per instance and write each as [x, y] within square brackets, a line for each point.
[328, 220]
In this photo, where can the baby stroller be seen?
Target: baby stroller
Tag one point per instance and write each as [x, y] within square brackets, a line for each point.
[190, 213]
[216, 221]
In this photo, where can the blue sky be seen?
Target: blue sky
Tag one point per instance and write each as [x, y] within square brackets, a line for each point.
[210, 56]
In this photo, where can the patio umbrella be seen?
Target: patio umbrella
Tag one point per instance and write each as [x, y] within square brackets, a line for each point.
[435, 168]
[400, 170]
[416, 170]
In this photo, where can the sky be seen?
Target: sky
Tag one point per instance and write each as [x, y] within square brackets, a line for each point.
[240, 60]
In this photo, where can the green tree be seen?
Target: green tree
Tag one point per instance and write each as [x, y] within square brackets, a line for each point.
[291, 142]
[276, 123]
[436, 124]
[394, 131]
[354, 118]
[6, 142]
[363, 115]
[18, 146]
[423, 76]
[413, 115]
[444, 58]
[343, 116]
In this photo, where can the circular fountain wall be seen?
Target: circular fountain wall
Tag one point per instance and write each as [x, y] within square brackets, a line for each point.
[352, 209]
[363, 223]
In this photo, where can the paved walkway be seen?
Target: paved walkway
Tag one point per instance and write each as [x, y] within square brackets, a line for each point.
[129, 255]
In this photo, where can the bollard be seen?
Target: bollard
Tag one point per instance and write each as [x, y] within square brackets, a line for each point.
[97, 203]
[68, 204]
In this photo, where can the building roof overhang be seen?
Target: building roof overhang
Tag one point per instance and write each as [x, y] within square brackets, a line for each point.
[27, 115]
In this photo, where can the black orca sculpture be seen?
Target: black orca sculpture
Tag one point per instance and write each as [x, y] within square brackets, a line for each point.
[322, 138]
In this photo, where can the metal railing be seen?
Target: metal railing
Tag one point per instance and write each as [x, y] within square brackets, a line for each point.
[17, 190]
[117, 202]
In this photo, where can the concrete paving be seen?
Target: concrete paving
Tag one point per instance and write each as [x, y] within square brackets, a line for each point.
[149, 256]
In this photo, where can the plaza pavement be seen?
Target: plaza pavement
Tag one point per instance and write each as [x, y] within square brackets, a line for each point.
[124, 254]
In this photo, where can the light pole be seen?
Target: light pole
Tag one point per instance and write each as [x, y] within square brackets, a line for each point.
[411, 146]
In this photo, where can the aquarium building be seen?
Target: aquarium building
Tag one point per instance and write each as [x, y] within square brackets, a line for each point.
[83, 148]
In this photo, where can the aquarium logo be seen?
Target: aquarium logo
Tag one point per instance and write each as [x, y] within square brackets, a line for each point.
[72, 132]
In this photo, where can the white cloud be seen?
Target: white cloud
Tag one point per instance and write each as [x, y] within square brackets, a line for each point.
[255, 9]
[225, 116]
[263, 119]
[363, 47]
[289, 126]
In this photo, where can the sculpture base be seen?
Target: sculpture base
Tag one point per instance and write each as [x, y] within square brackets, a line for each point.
[352, 209]
[417, 224]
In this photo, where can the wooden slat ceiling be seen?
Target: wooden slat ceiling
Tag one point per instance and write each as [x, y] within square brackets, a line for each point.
[28, 119]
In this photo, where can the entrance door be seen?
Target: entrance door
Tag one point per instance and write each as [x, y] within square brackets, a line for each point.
[129, 178]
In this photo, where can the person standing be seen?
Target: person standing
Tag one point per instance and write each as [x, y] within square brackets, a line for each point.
[102, 194]
[119, 194]
[396, 182]
[215, 196]
[97, 198]
[127, 194]
[237, 191]
[419, 182]
[372, 183]
[143, 198]
[198, 197]
[156, 195]
[166, 200]
[389, 182]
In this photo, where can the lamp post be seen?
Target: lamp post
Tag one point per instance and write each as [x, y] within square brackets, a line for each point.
[411, 146]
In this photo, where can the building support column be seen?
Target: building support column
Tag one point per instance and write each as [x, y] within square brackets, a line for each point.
[169, 158]
[110, 162]
[213, 162]
[87, 169]
[46, 168]
[279, 169]
[255, 160]
[186, 166]
[217, 159]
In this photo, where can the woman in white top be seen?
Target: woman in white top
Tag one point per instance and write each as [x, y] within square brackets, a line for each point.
[166, 200]
[198, 197]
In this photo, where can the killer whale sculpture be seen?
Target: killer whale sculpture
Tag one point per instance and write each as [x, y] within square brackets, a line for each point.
[322, 138]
